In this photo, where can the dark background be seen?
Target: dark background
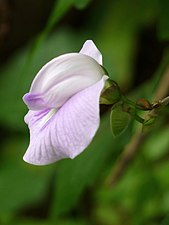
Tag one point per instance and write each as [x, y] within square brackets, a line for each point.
[133, 38]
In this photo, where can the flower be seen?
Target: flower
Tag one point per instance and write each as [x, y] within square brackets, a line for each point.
[63, 104]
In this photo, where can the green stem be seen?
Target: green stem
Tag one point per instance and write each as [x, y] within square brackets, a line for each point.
[136, 116]
[133, 108]
[128, 101]
[135, 105]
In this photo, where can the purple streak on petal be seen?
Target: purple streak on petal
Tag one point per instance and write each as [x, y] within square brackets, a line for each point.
[60, 79]
[90, 49]
[34, 101]
[68, 131]
[37, 115]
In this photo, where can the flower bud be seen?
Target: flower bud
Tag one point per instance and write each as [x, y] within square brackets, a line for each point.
[111, 93]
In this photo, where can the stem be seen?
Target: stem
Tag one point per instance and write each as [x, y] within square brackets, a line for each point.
[165, 101]
[125, 159]
[138, 118]
[135, 105]
[132, 112]
[137, 140]
[128, 101]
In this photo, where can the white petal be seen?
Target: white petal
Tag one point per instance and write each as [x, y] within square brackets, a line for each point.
[90, 49]
[66, 132]
[61, 78]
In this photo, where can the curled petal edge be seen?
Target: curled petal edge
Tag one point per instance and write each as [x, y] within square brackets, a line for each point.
[68, 131]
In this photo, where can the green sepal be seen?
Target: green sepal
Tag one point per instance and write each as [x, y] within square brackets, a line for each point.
[119, 119]
[111, 93]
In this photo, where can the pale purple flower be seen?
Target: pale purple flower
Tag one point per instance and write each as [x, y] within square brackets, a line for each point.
[63, 104]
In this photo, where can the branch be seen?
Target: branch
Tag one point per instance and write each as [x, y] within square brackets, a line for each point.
[163, 88]
[139, 138]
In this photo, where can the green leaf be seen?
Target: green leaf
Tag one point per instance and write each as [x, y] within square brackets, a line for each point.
[163, 30]
[119, 120]
[118, 35]
[80, 4]
[59, 10]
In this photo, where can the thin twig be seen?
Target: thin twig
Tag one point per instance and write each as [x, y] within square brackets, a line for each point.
[165, 101]
[139, 138]
[163, 88]
[127, 156]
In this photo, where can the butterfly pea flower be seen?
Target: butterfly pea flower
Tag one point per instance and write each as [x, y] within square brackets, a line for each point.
[63, 104]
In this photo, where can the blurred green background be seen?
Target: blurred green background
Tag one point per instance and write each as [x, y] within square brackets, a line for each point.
[133, 38]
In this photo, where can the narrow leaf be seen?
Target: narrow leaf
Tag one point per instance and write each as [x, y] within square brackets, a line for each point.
[80, 4]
